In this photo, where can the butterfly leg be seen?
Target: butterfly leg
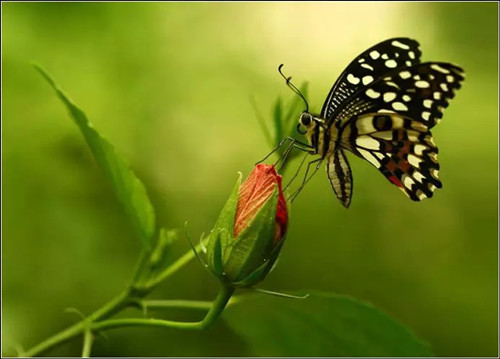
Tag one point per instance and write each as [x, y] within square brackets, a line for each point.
[306, 179]
[293, 142]
[287, 153]
[296, 172]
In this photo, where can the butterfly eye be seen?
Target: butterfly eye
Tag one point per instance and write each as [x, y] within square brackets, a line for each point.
[305, 119]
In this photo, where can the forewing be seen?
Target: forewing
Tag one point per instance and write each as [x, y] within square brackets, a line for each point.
[339, 173]
[420, 92]
[367, 67]
[401, 148]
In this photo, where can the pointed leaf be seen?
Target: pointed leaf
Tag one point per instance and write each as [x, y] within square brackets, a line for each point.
[128, 188]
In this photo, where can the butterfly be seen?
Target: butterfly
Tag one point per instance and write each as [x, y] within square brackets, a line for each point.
[382, 108]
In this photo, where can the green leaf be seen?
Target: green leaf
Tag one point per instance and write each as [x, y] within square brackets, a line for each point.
[128, 188]
[324, 324]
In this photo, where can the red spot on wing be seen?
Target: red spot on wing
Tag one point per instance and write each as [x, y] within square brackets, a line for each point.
[394, 180]
[404, 166]
[391, 166]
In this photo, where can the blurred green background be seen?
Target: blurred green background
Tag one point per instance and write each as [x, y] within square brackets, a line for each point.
[169, 84]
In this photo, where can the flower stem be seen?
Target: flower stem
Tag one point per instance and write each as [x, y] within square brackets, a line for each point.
[176, 303]
[201, 305]
[220, 303]
[215, 311]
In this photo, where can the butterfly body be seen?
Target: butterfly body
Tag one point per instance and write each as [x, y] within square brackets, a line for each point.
[381, 109]
[321, 138]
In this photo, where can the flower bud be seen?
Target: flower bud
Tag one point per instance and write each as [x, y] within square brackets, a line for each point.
[246, 240]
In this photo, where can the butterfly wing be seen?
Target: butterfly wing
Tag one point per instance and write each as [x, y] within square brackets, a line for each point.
[388, 123]
[420, 92]
[367, 67]
[401, 148]
[339, 173]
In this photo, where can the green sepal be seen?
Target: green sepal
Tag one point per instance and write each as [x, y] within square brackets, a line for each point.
[217, 266]
[254, 244]
[273, 257]
[262, 271]
[253, 277]
[225, 222]
[193, 247]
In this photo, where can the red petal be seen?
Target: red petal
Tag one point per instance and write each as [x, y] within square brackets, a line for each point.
[254, 193]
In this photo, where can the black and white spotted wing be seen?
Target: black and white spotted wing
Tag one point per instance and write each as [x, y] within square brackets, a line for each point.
[387, 123]
[420, 92]
[401, 148]
[368, 67]
[382, 108]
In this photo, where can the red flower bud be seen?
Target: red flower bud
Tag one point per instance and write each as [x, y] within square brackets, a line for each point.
[247, 238]
[253, 193]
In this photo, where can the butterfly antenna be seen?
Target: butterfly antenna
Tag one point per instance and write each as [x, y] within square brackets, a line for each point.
[293, 87]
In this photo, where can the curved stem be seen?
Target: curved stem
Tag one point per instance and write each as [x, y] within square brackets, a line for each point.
[215, 311]
[220, 303]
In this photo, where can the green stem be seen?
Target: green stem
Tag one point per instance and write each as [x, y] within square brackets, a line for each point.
[57, 339]
[112, 307]
[176, 303]
[139, 265]
[182, 303]
[174, 267]
[119, 303]
[88, 340]
[215, 311]
[139, 322]
[220, 303]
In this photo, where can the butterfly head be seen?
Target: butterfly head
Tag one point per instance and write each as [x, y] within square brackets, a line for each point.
[306, 122]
